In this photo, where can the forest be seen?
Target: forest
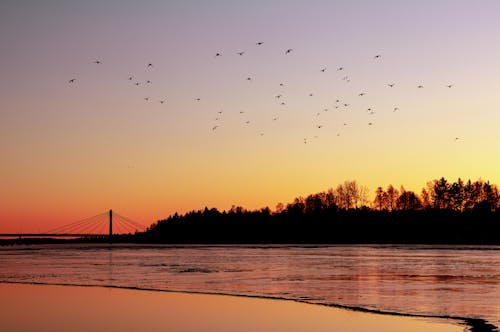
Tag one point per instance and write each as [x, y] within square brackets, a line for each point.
[443, 212]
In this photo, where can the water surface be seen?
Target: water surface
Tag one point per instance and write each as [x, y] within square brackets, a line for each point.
[457, 281]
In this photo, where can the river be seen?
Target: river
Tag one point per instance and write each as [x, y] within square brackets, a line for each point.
[428, 280]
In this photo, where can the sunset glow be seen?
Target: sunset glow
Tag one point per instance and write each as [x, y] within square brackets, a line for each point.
[72, 149]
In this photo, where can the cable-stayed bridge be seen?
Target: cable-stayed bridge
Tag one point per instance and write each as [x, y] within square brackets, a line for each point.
[105, 224]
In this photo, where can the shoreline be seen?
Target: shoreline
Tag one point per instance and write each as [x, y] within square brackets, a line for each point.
[436, 322]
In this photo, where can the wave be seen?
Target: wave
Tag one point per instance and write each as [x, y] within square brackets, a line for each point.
[472, 324]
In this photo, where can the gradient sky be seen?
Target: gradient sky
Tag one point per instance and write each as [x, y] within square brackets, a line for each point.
[74, 150]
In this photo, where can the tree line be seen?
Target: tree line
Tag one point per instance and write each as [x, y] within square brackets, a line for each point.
[443, 212]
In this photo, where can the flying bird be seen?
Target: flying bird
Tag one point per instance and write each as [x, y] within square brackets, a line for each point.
[340, 68]
[289, 51]
[198, 99]
[310, 95]
[137, 83]
[281, 84]
[323, 70]
[218, 54]
[378, 56]
[370, 123]
[249, 78]
[449, 86]
[362, 94]
[162, 101]
[72, 80]
[97, 62]
[150, 65]
[396, 109]
[214, 127]
[420, 86]
[259, 43]
[146, 98]
[130, 78]
[240, 53]
[319, 126]
[391, 85]
[148, 82]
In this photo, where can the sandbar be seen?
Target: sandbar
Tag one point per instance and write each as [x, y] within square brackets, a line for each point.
[40, 308]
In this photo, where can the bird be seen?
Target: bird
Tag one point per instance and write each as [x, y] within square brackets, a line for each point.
[310, 95]
[247, 122]
[137, 83]
[289, 51]
[198, 99]
[161, 101]
[72, 80]
[362, 94]
[215, 127]
[146, 98]
[345, 105]
[420, 86]
[220, 112]
[275, 118]
[396, 109]
[283, 103]
[259, 43]
[130, 78]
[249, 78]
[150, 65]
[278, 96]
[449, 86]
[391, 85]
[319, 126]
[261, 134]
[370, 123]
[456, 139]
[97, 62]
[340, 68]
[281, 84]
[148, 82]
[240, 53]
[323, 70]
[241, 112]
[218, 54]
[378, 56]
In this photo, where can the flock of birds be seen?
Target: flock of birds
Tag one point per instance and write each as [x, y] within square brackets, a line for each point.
[337, 105]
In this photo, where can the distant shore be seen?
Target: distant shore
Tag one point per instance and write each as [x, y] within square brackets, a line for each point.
[64, 308]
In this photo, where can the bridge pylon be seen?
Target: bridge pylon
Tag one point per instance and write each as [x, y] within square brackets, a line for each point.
[110, 225]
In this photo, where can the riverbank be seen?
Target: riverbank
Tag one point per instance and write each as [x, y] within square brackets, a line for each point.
[26, 307]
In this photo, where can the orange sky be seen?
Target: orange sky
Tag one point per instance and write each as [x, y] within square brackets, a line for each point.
[72, 150]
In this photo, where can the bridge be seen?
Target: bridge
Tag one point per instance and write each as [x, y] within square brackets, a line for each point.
[102, 225]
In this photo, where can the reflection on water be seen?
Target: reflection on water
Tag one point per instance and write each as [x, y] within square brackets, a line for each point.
[63, 309]
[433, 280]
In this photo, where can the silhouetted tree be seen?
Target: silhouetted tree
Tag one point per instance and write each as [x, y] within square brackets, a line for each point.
[378, 202]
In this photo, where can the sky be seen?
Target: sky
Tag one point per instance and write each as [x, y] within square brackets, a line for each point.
[73, 150]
